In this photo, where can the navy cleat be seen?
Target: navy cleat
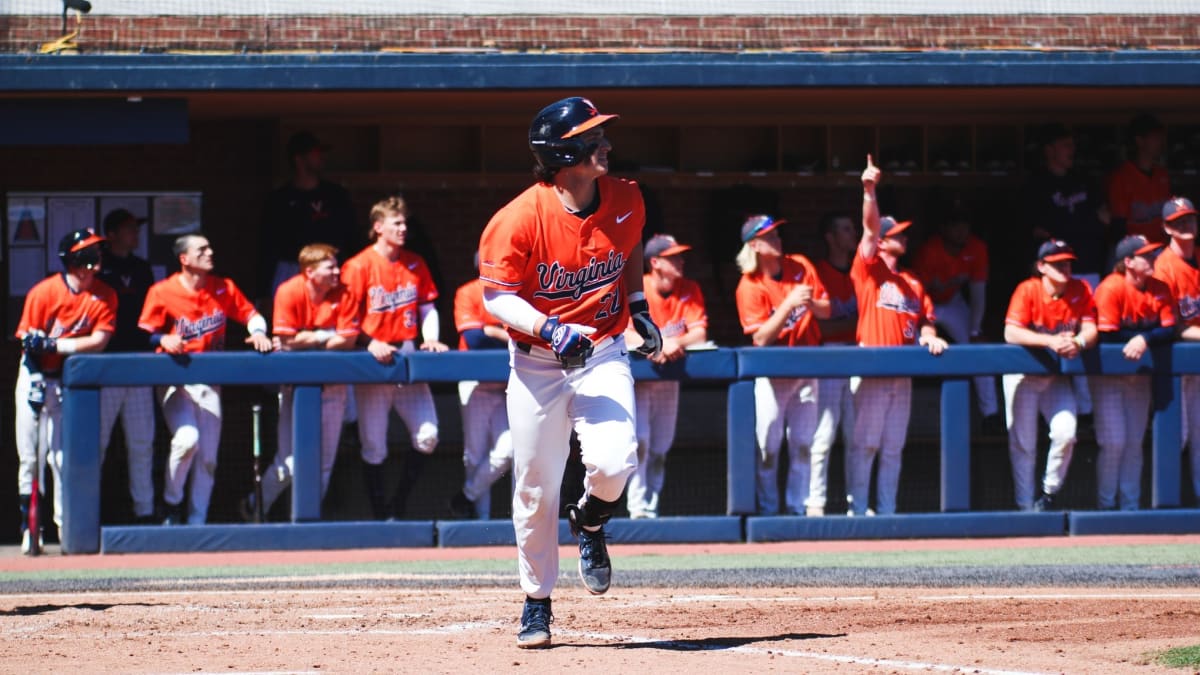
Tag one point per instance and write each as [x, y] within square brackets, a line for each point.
[535, 624]
[595, 568]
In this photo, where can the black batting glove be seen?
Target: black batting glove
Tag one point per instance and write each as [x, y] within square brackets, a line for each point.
[639, 312]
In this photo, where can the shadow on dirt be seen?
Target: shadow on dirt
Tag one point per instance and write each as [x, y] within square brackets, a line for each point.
[718, 643]
[33, 610]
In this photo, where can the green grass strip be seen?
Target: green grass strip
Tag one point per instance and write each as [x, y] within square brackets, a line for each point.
[1181, 657]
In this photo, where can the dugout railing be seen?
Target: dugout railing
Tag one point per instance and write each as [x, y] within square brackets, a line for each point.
[85, 374]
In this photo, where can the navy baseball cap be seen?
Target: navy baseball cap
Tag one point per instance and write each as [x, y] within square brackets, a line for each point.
[757, 226]
[890, 227]
[662, 245]
[118, 217]
[1177, 207]
[1055, 250]
[1135, 245]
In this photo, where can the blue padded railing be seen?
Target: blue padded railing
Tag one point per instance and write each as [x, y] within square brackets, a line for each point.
[85, 374]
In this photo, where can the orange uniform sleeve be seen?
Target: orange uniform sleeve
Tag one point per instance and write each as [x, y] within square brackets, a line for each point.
[154, 311]
[1109, 306]
[467, 311]
[106, 314]
[426, 290]
[694, 312]
[1118, 196]
[285, 318]
[753, 305]
[504, 249]
[33, 314]
[239, 307]
[348, 322]
[1020, 310]
[813, 279]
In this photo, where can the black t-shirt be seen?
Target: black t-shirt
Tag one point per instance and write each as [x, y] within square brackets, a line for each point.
[131, 278]
[1065, 206]
[295, 218]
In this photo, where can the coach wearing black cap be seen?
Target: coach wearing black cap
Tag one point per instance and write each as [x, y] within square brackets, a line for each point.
[130, 276]
[305, 210]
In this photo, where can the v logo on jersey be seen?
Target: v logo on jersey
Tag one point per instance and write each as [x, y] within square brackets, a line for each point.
[556, 282]
[621, 219]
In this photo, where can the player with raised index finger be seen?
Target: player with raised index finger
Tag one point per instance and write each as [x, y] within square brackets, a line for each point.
[561, 266]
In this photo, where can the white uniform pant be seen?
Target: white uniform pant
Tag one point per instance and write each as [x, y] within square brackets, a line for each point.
[412, 402]
[835, 408]
[955, 318]
[487, 442]
[784, 406]
[657, 412]
[1122, 405]
[39, 439]
[1025, 397]
[882, 406]
[279, 475]
[135, 406]
[544, 403]
[1191, 426]
[193, 415]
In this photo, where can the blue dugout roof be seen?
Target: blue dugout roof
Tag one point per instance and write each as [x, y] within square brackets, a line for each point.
[491, 70]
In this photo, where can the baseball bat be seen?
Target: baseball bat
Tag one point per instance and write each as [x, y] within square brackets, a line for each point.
[258, 493]
[35, 520]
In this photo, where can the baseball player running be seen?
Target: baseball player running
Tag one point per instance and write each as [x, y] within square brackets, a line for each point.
[186, 314]
[954, 268]
[1055, 311]
[69, 313]
[131, 278]
[313, 310]
[394, 292]
[893, 310]
[677, 307]
[1177, 267]
[778, 299]
[561, 266]
[1137, 310]
[487, 443]
[835, 404]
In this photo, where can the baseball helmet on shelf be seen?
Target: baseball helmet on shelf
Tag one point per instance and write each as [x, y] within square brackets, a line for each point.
[555, 135]
[80, 248]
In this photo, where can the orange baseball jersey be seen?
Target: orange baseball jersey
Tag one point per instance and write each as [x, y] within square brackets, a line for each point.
[53, 308]
[1033, 308]
[562, 265]
[196, 316]
[469, 313]
[387, 294]
[891, 304]
[938, 267]
[1183, 280]
[295, 311]
[678, 312]
[1121, 305]
[842, 303]
[759, 295]
[1138, 198]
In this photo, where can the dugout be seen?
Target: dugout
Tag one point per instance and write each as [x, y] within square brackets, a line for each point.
[709, 135]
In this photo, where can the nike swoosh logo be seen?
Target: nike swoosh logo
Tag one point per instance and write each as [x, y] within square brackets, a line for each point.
[220, 291]
[621, 219]
[412, 266]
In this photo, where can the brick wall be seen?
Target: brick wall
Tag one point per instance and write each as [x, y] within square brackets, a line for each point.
[533, 33]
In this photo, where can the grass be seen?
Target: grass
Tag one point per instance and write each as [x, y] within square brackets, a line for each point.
[1181, 657]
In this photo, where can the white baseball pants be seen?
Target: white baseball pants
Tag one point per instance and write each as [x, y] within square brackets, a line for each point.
[1025, 397]
[193, 415]
[135, 406]
[333, 407]
[412, 402]
[1122, 413]
[657, 411]
[39, 439]
[487, 442]
[784, 407]
[1191, 426]
[955, 318]
[544, 403]
[835, 408]
[882, 406]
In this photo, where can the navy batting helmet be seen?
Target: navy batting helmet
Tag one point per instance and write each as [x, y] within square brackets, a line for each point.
[554, 136]
[80, 248]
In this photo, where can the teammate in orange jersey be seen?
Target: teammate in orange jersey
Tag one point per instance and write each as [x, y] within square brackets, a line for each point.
[893, 310]
[487, 442]
[1140, 186]
[677, 308]
[394, 292]
[313, 311]
[186, 313]
[1177, 266]
[1138, 311]
[779, 299]
[835, 404]
[561, 266]
[953, 265]
[69, 313]
[1052, 310]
